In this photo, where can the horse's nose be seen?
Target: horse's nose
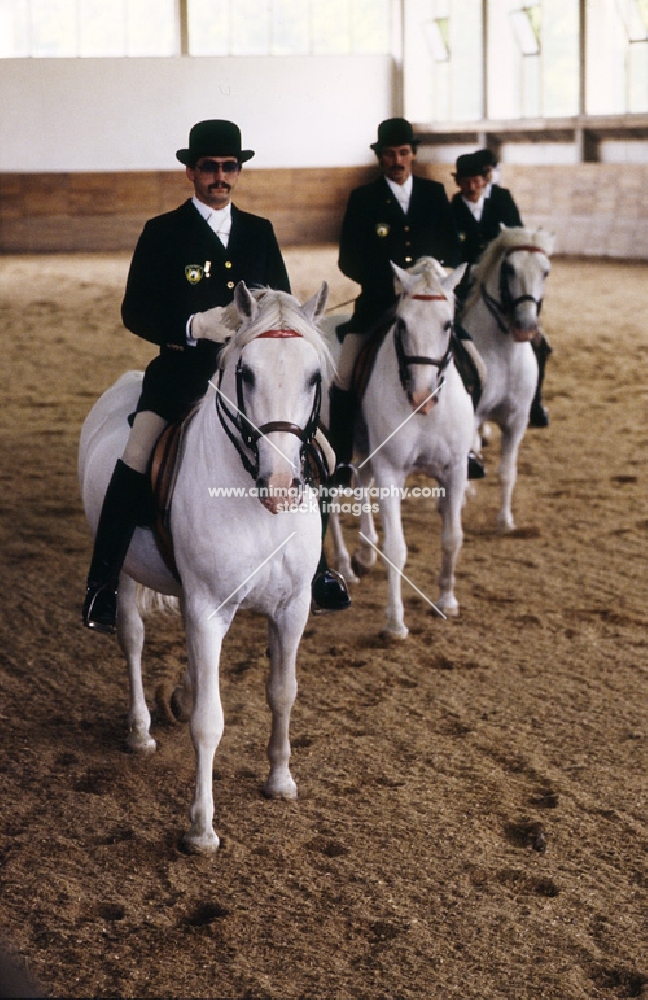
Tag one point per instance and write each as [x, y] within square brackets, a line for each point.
[423, 401]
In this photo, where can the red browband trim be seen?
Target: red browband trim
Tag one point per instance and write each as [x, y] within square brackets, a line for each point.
[429, 298]
[278, 333]
[531, 249]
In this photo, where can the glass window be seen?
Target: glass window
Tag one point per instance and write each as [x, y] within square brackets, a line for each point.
[250, 20]
[14, 29]
[331, 27]
[290, 28]
[443, 60]
[533, 58]
[209, 27]
[617, 56]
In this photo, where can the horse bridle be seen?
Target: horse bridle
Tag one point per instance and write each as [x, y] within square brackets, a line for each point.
[506, 305]
[406, 360]
[240, 429]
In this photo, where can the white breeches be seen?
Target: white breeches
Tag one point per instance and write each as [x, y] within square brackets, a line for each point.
[145, 431]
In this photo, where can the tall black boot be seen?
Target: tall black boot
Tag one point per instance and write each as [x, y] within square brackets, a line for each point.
[342, 411]
[124, 507]
[539, 417]
[329, 591]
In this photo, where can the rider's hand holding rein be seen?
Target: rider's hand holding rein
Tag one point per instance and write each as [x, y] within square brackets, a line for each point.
[209, 325]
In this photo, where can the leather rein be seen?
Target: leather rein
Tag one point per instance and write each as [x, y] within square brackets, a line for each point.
[406, 360]
[500, 310]
[240, 429]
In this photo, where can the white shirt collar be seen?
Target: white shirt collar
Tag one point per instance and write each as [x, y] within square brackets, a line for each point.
[475, 207]
[218, 219]
[402, 192]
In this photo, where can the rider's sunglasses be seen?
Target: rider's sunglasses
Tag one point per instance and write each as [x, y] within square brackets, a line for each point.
[213, 166]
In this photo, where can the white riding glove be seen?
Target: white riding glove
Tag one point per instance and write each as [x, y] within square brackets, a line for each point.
[209, 325]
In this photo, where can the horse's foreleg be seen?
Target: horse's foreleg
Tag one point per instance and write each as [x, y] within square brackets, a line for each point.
[204, 639]
[130, 634]
[395, 552]
[364, 556]
[284, 633]
[511, 438]
[451, 538]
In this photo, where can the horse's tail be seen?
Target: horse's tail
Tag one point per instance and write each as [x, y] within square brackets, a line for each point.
[149, 601]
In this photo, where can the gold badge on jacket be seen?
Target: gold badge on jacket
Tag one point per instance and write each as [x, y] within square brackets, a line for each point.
[382, 229]
[194, 273]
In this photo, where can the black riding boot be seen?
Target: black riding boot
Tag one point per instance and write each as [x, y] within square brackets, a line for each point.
[538, 417]
[342, 411]
[124, 507]
[328, 590]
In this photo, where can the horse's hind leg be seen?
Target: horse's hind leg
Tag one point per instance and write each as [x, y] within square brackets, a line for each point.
[130, 633]
[284, 633]
[341, 560]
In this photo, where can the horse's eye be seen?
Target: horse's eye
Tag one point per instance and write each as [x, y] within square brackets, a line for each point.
[447, 326]
[247, 376]
[314, 380]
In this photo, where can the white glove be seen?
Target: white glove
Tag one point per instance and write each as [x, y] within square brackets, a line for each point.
[209, 325]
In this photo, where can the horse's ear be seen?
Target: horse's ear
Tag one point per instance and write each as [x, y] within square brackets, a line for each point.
[450, 282]
[402, 279]
[317, 304]
[244, 301]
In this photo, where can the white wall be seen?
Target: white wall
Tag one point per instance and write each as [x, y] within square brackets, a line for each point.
[132, 114]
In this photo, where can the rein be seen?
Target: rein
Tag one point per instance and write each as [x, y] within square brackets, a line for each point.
[500, 310]
[244, 434]
[406, 360]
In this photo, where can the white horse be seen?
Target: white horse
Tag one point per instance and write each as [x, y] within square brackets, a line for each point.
[418, 417]
[501, 314]
[231, 551]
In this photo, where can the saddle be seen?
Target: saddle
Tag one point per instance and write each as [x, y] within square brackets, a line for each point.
[163, 472]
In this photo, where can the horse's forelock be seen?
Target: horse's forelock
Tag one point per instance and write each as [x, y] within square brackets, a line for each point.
[508, 239]
[429, 275]
[276, 311]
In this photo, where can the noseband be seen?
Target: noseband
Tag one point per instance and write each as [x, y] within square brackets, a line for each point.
[240, 429]
[506, 305]
[406, 360]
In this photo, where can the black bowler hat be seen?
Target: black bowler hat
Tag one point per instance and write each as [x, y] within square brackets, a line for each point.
[486, 158]
[468, 165]
[214, 137]
[394, 132]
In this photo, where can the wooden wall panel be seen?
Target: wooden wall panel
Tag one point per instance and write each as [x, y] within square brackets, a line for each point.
[594, 209]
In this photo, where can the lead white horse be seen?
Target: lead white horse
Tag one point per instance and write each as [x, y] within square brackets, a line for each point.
[231, 551]
[418, 417]
[502, 315]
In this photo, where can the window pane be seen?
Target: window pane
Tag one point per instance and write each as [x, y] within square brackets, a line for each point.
[290, 27]
[250, 28]
[370, 26]
[465, 43]
[331, 27]
[559, 39]
[606, 54]
[209, 27]
[14, 29]
[54, 28]
[102, 28]
[151, 28]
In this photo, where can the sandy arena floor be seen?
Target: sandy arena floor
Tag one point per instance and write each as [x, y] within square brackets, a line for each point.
[429, 772]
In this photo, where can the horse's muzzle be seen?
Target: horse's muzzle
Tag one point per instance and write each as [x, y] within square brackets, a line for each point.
[422, 402]
[279, 493]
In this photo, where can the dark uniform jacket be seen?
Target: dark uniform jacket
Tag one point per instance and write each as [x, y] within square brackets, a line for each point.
[180, 267]
[475, 236]
[375, 231]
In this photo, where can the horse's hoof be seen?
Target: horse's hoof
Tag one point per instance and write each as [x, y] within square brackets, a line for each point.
[449, 606]
[203, 843]
[138, 743]
[280, 789]
[505, 524]
[394, 635]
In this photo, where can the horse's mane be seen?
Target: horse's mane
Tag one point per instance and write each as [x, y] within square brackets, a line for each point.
[508, 239]
[276, 311]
